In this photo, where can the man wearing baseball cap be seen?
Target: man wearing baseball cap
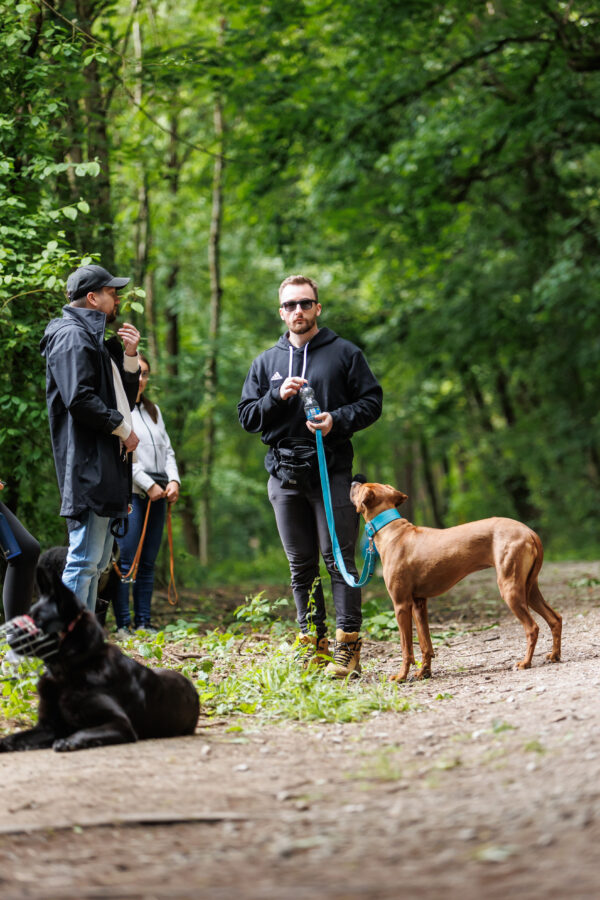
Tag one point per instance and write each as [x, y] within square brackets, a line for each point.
[91, 386]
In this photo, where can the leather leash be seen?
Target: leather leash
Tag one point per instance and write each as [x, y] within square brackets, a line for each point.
[172, 600]
[131, 575]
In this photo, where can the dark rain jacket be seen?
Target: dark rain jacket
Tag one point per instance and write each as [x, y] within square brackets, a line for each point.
[83, 413]
[341, 379]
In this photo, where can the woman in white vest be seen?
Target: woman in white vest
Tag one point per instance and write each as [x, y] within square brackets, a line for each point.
[155, 481]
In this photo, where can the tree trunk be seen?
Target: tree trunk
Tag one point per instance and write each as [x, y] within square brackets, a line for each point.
[98, 149]
[430, 484]
[143, 237]
[514, 482]
[150, 311]
[185, 506]
[211, 373]
[405, 476]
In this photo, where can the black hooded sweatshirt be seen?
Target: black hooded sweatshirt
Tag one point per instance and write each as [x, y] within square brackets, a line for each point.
[341, 379]
[83, 413]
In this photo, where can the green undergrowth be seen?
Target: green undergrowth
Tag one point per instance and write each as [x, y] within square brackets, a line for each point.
[18, 695]
[248, 670]
[245, 670]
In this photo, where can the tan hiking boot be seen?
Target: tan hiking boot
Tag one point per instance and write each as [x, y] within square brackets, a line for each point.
[312, 651]
[346, 654]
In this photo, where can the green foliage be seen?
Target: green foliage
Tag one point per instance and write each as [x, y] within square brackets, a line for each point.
[585, 581]
[435, 168]
[18, 695]
[35, 249]
[379, 620]
[276, 688]
[259, 612]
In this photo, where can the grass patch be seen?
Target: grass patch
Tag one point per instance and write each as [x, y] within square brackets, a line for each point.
[586, 581]
[276, 688]
[244, 670]
[18, 695]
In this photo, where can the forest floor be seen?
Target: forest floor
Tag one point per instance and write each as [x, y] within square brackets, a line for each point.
[489, 784]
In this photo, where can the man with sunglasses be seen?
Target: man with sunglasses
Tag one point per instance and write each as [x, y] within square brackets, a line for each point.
[350, 399]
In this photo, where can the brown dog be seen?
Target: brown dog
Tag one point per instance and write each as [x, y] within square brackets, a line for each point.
[419, 563]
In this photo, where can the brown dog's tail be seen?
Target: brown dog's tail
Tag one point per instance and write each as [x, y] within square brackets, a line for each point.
[537, 563]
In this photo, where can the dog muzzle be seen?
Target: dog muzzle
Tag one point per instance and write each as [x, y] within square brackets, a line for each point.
[24, 637]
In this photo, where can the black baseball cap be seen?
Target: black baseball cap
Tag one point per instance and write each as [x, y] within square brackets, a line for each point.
[91, 278]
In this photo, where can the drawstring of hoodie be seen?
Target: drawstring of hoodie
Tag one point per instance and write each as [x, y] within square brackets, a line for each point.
[304, 359]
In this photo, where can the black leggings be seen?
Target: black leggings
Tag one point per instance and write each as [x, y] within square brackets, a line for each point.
[20, 574]
[302, 526]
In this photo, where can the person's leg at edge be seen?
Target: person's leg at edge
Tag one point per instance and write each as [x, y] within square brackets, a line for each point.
[296, 526]
[347, 599]
[128, 545]
[88, 540]
[20, 571]
[102, 565]
[144, 584]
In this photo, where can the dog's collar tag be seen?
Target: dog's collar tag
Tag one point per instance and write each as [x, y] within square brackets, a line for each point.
[380, 521]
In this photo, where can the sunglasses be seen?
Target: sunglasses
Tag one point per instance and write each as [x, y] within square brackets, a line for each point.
[290, 305]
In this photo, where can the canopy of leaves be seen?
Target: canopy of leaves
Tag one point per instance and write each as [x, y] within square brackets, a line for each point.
[435, 166]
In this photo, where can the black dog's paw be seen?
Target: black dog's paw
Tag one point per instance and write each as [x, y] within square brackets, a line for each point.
[64, 745]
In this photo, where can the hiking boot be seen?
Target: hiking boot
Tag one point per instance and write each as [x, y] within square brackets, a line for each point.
[311, 650]
[346, 654]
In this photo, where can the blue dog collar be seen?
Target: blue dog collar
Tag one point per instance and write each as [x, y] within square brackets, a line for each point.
[380, 521]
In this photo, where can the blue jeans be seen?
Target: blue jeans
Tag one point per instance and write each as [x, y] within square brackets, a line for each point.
[90, 545]
[144, 583]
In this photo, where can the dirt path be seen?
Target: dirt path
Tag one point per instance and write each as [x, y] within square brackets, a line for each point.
[489, 785]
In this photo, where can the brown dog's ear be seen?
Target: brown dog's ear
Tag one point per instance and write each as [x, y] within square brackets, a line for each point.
[397, 498]
[365, 496]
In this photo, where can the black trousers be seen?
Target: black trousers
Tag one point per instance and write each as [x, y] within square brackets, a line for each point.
[302, 526]
[20, 572]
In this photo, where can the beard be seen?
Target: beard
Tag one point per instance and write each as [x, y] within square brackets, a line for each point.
[301, 327]
[111, 317]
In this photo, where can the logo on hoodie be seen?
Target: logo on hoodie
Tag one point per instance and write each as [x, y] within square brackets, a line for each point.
[276, 376]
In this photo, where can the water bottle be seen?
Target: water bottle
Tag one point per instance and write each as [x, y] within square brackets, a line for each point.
[311, 406]
[8, 543]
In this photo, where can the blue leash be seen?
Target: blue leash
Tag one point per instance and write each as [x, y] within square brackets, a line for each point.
[311, 408]
[371, 555]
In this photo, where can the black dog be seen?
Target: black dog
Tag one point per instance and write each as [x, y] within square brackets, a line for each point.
[93, 694]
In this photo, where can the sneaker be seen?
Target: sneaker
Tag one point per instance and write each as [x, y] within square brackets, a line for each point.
[346, 654]
[311, 651]
[124, 632]
[148, 628]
